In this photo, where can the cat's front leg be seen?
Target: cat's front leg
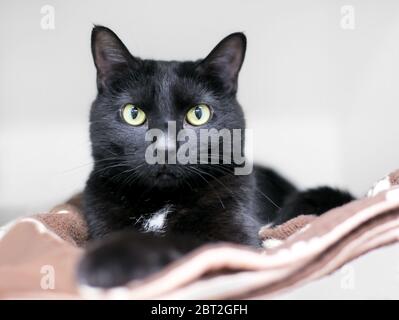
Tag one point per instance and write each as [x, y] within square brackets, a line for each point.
[125, 256]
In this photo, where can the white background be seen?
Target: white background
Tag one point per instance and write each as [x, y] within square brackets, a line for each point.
[322, 101]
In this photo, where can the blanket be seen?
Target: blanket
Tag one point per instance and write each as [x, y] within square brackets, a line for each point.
[39, 253]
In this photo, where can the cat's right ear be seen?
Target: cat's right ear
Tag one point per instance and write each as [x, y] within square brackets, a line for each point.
[225, 61]
[110, 55]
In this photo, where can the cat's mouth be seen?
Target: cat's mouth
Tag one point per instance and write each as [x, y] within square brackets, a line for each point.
[165, 175]
[165, 172]
[165, 178]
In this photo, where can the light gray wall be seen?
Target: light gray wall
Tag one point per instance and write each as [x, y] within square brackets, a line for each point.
[322, 101]
[370, 277]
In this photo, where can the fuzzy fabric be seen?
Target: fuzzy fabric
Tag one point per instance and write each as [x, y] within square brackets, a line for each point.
[38, 254]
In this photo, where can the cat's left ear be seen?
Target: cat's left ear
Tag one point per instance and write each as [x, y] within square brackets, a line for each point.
[225, 61]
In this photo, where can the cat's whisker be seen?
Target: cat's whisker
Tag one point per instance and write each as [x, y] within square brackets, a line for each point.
[200, 175]
[213, 177]
[220, 167]
[89, 163]
[102, 169]
[185, 180]
[133, 176]
[126, 172]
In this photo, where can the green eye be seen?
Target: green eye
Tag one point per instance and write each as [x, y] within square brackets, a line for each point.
[133, 115]
[198, 115]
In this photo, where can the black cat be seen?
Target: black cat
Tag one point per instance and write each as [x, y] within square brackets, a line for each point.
[154, 213]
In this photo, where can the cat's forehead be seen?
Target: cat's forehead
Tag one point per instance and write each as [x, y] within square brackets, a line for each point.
[167, 71]
[171, 79]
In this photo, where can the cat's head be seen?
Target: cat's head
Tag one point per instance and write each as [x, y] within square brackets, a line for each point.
[136, 96]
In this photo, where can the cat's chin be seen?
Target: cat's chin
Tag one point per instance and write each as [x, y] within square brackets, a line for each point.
[166, 180]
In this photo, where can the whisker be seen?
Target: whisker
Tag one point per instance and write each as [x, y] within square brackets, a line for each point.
[217, 194]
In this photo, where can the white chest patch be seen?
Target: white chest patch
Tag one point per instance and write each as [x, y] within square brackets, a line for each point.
[157, 221]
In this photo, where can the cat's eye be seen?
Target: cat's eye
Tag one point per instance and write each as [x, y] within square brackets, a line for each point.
[133, 115]
[198, 115]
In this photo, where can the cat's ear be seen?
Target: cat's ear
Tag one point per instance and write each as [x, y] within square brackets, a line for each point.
[110, 54]
[225, 61]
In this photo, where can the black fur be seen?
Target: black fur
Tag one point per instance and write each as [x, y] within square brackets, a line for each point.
[207, 203]
[313, 201]
[130, 255]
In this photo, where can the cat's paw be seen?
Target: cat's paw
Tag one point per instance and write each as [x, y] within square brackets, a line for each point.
[124, 257]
